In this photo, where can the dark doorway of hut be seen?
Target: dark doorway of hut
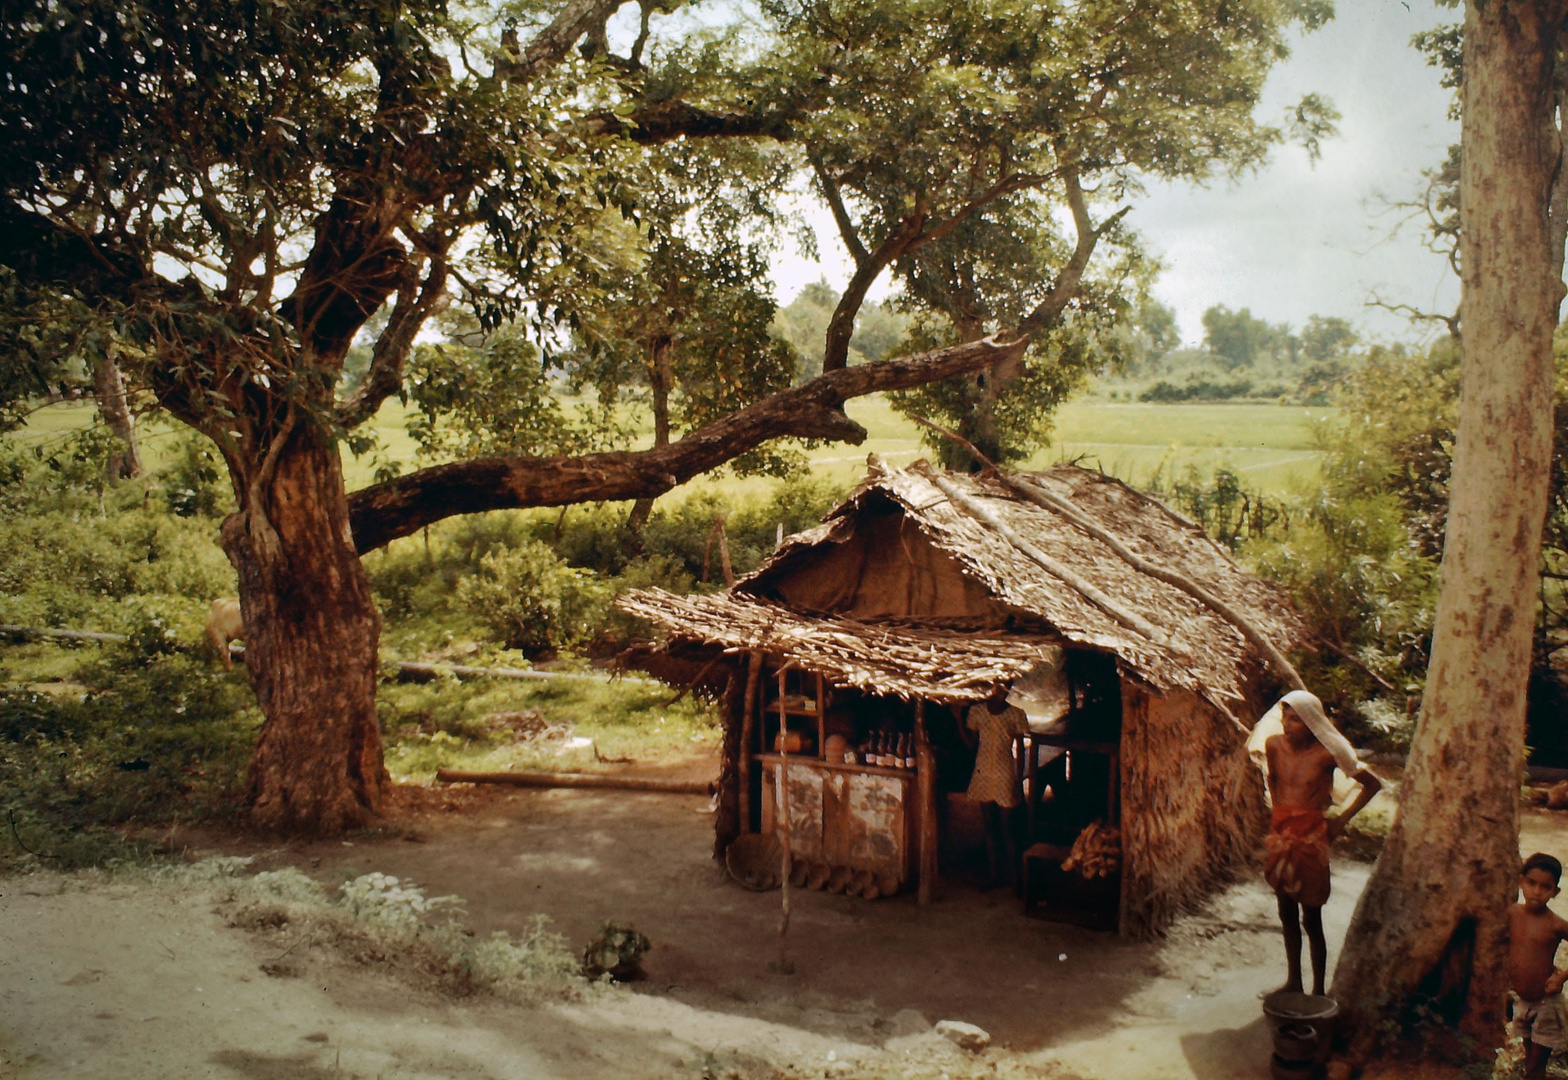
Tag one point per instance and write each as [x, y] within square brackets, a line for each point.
[875, 786]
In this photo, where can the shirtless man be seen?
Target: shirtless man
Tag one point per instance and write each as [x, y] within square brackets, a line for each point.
[1534, 931]
[1301, 785]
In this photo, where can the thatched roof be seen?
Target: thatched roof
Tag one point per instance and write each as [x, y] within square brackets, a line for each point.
[1184, 645]
[905, 661]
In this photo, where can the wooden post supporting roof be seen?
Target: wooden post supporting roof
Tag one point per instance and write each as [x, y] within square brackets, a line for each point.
[925, 783]
[787, 857]
[748, 715]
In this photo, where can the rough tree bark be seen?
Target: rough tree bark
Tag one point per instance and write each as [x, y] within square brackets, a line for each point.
[312, 631]
[1432, 924]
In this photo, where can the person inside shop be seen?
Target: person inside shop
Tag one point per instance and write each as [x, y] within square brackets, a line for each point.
[994, 783]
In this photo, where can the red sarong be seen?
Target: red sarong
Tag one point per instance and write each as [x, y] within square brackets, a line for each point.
[1296, 850]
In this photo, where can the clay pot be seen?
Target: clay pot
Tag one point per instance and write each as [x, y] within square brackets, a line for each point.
[820, 872]
[839, 880]
[865, 884]
[887, 884]
[797, 742]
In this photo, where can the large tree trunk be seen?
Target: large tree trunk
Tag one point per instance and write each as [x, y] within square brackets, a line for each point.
[109, 389]
[1432, 923]
[311, 634]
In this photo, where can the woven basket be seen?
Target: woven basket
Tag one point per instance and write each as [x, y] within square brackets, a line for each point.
[754, 861]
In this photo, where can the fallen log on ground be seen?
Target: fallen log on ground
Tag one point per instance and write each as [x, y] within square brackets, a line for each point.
[411, 670]
[405, 668]
[68, 635]
[520, 778]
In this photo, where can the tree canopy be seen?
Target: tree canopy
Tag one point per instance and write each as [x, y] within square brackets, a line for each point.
[234, 195]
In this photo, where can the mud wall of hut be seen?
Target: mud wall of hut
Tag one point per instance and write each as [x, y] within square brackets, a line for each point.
[1193, 814]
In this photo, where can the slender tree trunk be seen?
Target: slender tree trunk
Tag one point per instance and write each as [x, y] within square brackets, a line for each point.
[1432, 924]
[660, 379]
[311, 634]
[109, 389]
[979, 422]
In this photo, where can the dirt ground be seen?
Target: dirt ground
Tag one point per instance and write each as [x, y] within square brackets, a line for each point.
[129, 979]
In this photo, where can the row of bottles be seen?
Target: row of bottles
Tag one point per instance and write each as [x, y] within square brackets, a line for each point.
[888, 750]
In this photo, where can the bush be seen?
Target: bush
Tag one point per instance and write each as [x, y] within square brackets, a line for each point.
[1197, 389]
[98, 573]
[195, 481]
[150, 736]
[617, 629]
[531, 600]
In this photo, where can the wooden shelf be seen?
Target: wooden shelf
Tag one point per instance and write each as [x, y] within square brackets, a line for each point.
[793, 706]
[1089, 746]
[836, 766]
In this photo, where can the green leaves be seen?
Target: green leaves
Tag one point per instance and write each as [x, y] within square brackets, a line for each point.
[241, 187]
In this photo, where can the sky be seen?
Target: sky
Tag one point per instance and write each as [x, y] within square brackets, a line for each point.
[1296, 238]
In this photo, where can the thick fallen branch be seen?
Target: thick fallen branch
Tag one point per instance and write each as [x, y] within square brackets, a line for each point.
[577, 780]
[462, 671]
[400, 507]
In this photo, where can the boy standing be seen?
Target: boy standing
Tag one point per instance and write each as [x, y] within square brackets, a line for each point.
[1301, 765]
[1536, 985]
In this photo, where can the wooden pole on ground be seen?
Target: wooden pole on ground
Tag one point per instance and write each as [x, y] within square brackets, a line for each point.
[522, 778]
[925, 787]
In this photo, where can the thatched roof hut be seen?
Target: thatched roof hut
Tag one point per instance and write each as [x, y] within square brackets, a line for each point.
[935, 587]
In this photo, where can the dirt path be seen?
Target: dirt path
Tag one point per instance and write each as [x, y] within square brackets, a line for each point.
[124, 980]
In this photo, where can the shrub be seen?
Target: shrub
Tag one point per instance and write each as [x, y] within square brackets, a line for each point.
[194, 482]
[156, 736]
[531, 600]
[99, 573]
[617, 629]
[1197, 389]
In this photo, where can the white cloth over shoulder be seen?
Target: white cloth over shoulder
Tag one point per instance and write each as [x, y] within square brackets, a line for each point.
[1310, 709]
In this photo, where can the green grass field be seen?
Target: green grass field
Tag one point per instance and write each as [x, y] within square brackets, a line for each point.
[1270, 446]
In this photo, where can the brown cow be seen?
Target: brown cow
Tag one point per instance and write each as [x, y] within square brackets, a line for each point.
[223, 626]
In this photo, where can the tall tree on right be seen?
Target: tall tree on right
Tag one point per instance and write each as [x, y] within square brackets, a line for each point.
[1431, 928]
